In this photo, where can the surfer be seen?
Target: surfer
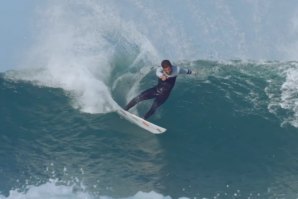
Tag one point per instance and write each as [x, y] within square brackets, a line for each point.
[167, 75]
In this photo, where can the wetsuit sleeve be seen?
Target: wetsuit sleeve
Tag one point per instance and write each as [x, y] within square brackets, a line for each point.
[159, 72]
[184, 71]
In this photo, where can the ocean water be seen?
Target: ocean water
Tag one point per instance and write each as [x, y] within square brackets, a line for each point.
[232, 128]
[232, 133]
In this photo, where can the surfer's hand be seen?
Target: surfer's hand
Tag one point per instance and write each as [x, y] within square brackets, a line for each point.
[163, 78]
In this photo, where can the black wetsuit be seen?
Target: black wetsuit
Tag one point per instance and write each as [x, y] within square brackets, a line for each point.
[160, 92]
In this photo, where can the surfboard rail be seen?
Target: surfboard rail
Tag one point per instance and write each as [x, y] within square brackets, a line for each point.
[153, 128]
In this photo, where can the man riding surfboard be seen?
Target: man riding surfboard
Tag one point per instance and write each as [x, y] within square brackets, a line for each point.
[167, 75]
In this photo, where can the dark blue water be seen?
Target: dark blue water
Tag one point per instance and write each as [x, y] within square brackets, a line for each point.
[232, 133]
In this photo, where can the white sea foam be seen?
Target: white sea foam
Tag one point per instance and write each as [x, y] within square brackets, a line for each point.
[52, 190]
[289, 95]
[48, 190]
[77, 43]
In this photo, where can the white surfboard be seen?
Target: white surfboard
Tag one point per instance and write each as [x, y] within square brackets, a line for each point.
[153, 128]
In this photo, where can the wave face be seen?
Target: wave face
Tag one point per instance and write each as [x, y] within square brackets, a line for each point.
[232, 132]
[79, 46]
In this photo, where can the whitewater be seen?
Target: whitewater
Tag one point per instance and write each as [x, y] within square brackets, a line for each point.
[232, 127]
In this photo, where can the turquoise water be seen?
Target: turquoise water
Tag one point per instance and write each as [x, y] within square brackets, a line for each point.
[232, 133]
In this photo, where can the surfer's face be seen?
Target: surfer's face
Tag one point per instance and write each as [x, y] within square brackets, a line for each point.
[167, 70]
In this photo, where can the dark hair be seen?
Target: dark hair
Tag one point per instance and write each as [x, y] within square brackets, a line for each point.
[166, 63]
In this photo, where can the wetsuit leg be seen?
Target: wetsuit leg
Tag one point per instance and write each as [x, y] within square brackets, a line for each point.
[159, 100]
[147, 94]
